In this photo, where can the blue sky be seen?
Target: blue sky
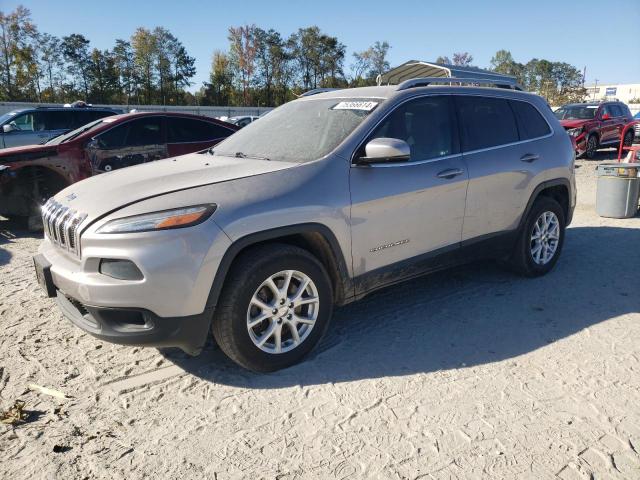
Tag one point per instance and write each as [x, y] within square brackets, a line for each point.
[568, 31]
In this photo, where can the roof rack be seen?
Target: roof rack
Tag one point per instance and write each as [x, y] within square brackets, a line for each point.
[423, 82]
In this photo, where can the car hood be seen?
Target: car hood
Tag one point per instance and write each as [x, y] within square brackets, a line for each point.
[27, 152]
[573, 123]
[104, 193]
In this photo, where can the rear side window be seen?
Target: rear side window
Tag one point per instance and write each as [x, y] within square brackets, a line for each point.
[113, 138]
[616, 111]
[184, 130]
[425, 124]
[58, 120]
[485, 122]
[531, 124]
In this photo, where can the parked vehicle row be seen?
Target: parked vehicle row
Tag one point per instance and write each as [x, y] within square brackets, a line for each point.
[324, 200]
[29, 175]
[595, 125]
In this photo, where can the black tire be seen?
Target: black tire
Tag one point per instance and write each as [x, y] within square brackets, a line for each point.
[592, 147]
[628, 138]
[246, 275]
[522, 261]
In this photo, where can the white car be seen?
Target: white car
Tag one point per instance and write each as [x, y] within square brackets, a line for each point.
[242, 121]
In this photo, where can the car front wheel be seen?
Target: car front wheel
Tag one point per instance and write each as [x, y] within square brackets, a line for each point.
[592, 147]
[274, 308]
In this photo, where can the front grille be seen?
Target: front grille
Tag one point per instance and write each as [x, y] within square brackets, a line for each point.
[61, 225]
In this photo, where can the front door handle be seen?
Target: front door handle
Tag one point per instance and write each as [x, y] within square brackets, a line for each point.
[529, 157]
[450, 173]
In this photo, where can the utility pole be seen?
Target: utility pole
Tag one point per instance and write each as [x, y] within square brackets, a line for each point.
[595, 88]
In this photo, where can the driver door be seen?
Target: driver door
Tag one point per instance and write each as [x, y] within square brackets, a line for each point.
[409, 210]
[29, 129]
[137, 141]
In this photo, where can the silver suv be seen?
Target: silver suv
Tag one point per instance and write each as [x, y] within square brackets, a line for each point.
[322, 201]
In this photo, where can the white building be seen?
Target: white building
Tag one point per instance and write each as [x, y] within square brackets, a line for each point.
[621, 91]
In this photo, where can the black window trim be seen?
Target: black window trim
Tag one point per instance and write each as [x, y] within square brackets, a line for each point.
[458, 132]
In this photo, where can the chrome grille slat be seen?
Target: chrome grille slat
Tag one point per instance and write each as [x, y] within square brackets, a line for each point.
[61, 225]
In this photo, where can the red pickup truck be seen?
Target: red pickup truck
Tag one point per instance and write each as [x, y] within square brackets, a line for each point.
[595, 125]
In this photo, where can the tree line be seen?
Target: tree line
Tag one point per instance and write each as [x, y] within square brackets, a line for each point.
[259, 67]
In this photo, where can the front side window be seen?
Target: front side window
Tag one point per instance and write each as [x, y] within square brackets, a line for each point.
[425, 124]
[30, 122]
[531, 124]
[113, 138]
[616, 111]
[299, 131]
[185, 130]
[485, 122]
[145, 131]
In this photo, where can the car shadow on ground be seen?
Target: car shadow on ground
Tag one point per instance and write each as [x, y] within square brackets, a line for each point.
[10, 231]
[468, 316]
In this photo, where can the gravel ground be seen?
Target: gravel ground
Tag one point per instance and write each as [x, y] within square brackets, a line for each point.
[471, 373]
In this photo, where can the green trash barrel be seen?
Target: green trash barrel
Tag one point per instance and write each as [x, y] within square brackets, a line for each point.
[618, 189]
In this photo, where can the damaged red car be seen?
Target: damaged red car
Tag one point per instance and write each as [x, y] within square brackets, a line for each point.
[595, 125]
[31, 174]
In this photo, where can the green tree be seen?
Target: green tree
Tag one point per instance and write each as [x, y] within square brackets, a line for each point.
[17, 32]
[126, 69]
[242, 58]
[75, 49]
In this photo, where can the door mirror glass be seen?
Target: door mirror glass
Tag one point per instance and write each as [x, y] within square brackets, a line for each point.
[380, 150]
[9, 127]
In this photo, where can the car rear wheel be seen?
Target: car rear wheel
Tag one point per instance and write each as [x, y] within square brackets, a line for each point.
[541, 238]
[592, 147]
[628, 138]
[274, 308]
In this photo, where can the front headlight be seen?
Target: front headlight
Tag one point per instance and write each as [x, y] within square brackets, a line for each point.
[575, 132]
[164, 220]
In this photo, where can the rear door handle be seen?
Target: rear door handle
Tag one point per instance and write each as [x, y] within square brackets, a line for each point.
[529, 157]
[450, 173]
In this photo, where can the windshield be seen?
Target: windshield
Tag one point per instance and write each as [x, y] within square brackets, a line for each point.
[6, 116]
[299, 131]
[577, 112]
[74, 133]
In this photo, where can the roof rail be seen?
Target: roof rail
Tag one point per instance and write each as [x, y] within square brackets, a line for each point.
[423, 82]
[315, 91]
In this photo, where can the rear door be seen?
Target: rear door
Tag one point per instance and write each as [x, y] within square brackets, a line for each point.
[58, 122]
[502, 162]
[619, 120]
[131, 143]
[187, 135]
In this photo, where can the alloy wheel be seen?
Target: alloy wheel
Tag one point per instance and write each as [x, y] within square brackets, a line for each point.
[283, 311]
[545, 238]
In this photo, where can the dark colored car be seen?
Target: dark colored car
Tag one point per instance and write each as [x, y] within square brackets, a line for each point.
[595, 125]
[30, 175]
[29, 126]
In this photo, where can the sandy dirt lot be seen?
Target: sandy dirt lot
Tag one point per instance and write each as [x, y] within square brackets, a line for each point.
[471, 373]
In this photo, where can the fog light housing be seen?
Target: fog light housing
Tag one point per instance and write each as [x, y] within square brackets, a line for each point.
[120, 269]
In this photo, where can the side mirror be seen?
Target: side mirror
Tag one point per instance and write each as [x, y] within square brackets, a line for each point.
[606, 116]
[93, 143]
[8, 128]
[383, 150]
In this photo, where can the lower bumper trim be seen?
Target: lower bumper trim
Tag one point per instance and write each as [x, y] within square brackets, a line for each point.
[131, 326]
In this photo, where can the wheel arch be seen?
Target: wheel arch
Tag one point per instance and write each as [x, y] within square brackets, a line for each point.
[559, 189]
[316, 238]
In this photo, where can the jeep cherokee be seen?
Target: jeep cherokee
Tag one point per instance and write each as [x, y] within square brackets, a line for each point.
[322, 201]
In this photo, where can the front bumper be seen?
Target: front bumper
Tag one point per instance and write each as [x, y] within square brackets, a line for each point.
[168, 307]
[138, 326]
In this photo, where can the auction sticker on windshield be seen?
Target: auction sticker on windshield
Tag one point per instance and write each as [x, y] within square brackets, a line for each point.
[366, 106]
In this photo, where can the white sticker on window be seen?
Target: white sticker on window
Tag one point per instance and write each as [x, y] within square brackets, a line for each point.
[366, 106]
[592, 106]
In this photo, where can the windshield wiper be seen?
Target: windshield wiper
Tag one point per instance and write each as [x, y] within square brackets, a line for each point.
[239, 155]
